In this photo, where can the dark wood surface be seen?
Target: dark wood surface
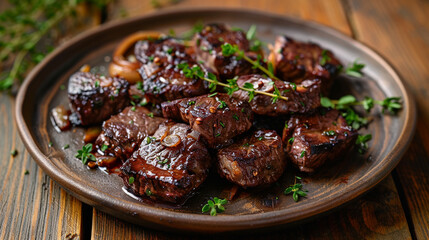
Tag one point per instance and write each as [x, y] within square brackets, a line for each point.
[33, 206]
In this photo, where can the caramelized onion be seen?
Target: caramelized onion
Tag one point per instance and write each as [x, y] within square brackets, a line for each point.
[127, 68]
[60, 117]
[171, 141]
[91, 134]
[106, 161]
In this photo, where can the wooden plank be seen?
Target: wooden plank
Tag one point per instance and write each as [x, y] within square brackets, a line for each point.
[32, 206]
[377, 215]
[398, 29]
[329, 12]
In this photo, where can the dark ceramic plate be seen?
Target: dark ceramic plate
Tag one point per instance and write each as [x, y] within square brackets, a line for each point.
[331, 187]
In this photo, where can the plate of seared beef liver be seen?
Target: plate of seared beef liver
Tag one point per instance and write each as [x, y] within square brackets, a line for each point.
[214, 120]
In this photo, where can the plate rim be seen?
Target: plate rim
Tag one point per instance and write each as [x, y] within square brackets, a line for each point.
[198, 222]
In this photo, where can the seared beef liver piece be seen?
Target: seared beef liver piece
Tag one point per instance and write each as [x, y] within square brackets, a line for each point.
[297, 61]
[305, 98]
[168, 166]
[257, 159]
[218, 118]
[95, 98]
[208, 49]
[317, 139]
[162, 78]
[123, 133]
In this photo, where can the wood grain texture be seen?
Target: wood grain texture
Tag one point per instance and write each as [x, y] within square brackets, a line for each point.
[399, 30]
[370, 217]
[329, 12]
[32, 206]
[377, 215]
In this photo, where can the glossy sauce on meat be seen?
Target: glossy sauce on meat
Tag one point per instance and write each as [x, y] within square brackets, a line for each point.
[298, 61]
[95, 98]
[167, 172]
[122, 133]
[208, 49]
[314, 140]
[218, 118]
[302, 98]
[256, 159]
[162, 78]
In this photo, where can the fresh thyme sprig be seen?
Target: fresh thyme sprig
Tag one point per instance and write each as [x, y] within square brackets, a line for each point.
[229, 50]
[23, 26]
[355, 69]
[296, 190]
[214, 206]
[85, 154]
[230, 87]
[391, 104]
[362, 142]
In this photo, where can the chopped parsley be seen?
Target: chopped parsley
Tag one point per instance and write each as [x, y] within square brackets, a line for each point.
[104, 147]
[13, 153]
[222, 124]
[329, 133]
[235, 117]
[222, 104]
[302, 153]
[131, 180]
[324, 58]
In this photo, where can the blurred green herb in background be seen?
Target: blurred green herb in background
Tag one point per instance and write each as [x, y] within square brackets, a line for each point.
[22, 27]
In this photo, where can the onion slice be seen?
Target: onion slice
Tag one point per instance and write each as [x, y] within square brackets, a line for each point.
[122, 67]
[171, 141]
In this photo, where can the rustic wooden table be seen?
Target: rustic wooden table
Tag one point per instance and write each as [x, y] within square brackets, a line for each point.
[32, 206]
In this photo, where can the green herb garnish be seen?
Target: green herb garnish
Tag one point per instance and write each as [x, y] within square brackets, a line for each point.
[329, 133]
[14, 152]
[296, 190]
[104, 147]
[324, 58]
[85, 154]
[362, 142]
[231, 87]
[355, 69]
[214, 206]
[131, 180]
[66, 146]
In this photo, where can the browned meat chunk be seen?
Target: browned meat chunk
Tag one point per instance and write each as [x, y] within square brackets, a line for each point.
[254, 160]
[122, 133]
[162, 78]
[169, 165]
[209, 50]
[302, 98]
[297, 61]
[218, 118]
[95, 98]
[317, 139]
